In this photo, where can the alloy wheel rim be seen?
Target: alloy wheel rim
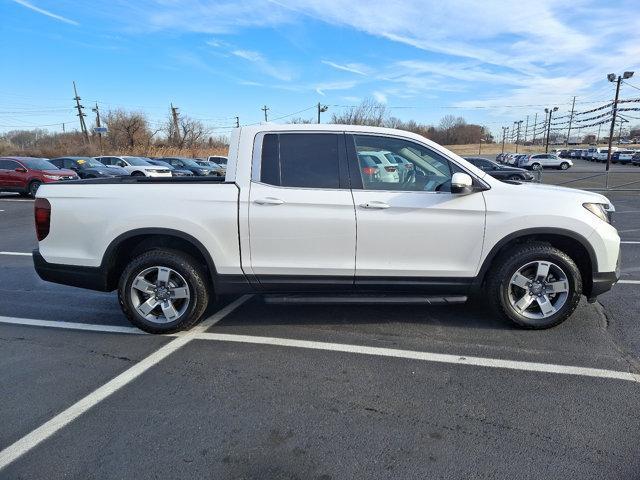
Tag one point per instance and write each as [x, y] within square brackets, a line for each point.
[160, 294]
[538, 289]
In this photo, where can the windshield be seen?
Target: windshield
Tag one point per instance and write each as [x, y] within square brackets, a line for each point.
[137, 161]
[89, 163]
[160, 163]
[207, 164]
[190, 163]
[38, 164]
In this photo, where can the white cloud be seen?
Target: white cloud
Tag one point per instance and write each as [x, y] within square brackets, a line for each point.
[280, 72]
[47, 13]
[380, 97]
[320, 88]
[356, 68]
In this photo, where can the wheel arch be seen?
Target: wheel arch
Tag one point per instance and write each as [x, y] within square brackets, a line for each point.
[572, 243]
[130, 244]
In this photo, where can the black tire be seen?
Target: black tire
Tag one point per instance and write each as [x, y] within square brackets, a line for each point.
[137, 174]
[536, 166]
[194, 275]
[515, 178]
[497, 284]
[33, 188]
[564, 166]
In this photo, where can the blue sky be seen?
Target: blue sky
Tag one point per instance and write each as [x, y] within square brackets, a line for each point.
[491, 62]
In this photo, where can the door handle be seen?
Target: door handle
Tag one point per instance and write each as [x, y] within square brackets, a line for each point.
[269, 201]
[375, 205]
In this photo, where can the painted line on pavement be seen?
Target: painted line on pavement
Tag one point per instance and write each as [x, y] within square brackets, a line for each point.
[630, 242]
[19, 254]
[426, 356]
[630, 282]
[40, 434]
[32, 322]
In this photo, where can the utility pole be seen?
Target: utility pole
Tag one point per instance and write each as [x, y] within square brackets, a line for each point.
[598, 136]
[526, 128]
[518, 123]
[265, 109]
[504, 135]
[97, 111]
[566, 143]
[81, 115]
[176, 127]
[535, 125]
[63, 128]
[549, 111]
[612, 78]
[237, 122]
[321, 109]
[620, 131]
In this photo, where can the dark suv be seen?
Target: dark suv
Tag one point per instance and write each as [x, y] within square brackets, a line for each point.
[24, 175]
[87, 167]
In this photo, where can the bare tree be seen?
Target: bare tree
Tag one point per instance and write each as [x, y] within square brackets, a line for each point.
[191, 133]
[369, 112]
[127, 129]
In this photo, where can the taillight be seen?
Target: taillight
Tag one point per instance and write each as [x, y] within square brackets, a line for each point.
[390, 169]
[42, 211]
[370, 170]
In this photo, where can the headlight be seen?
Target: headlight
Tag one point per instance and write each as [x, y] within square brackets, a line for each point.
[51, 177]
[205, 172]
[603, 211]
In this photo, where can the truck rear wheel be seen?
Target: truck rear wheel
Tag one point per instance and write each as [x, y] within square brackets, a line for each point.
[534, 285]
[163, 291]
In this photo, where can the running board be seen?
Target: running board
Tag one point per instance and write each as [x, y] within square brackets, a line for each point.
[364, 299]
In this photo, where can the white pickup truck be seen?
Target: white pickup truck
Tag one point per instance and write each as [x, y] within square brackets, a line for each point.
[302, 215]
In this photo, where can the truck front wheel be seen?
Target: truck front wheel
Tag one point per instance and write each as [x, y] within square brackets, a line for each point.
[534, 285]
[163, 291]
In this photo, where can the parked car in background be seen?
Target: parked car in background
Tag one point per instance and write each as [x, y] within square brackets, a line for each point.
[622, 156]
[175, 172]
[136, 166]
[501, 172]
[88, 167]
[213, 167]
[545, 160]
[635, 160]
[388, 171]
[218, 159]
[601, 154]
[24, 175]
[184, 163]
[499, 157]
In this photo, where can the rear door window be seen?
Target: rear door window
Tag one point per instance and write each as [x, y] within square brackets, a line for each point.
[304, 160]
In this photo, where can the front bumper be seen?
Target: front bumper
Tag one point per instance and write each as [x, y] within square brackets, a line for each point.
[92, 278]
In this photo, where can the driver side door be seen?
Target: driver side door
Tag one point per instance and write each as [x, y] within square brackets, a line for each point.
[413, 233]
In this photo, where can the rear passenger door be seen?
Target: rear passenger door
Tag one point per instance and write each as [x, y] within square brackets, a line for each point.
[302, 223]
[9, 178]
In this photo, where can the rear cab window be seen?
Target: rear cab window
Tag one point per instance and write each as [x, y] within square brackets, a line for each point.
[303, 160]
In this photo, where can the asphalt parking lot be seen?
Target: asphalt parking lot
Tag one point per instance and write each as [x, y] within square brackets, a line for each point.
[260, 390]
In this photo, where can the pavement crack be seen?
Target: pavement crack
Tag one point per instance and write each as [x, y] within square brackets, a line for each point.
[632, 362]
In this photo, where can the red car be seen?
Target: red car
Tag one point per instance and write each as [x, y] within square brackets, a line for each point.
[25, 174]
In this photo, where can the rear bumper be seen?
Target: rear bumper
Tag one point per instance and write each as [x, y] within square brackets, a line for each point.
[92, 278]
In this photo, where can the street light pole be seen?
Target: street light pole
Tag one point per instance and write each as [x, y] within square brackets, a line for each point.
[612, 78]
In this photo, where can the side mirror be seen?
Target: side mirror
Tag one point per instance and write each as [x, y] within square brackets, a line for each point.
[461, 183]
[21, 170]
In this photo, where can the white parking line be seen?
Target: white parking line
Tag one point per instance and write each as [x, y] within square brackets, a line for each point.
[630, 242]
[19, 254]
[630, 282]
[426, 356]
[70, 325]
[32, 439]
